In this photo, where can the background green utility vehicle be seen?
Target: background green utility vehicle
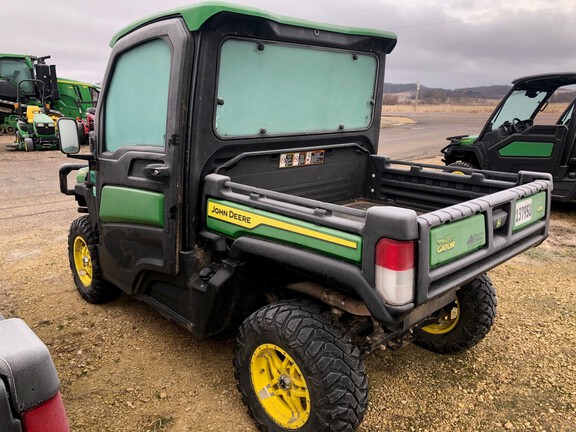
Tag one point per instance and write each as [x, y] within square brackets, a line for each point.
[236, 185]
[515, 137]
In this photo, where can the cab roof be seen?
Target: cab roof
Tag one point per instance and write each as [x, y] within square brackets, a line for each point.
[20, 56]
[197, 14]
[547, 82]
[75, 82]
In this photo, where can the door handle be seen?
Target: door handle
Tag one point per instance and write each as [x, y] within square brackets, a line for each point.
[157, 171]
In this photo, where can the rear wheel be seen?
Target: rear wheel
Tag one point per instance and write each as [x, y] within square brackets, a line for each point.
[85, 266]
[463, 323]
[297, 371]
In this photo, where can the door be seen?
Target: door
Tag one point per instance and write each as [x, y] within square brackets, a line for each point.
[539, 148]
[141, 124]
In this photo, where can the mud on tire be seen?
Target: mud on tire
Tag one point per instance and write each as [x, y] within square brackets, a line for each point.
[83, 257]
[325, 382]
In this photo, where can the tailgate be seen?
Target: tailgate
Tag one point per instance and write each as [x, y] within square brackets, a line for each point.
[464, 240]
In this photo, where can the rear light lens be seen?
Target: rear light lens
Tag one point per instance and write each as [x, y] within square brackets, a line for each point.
[48, 417]
[395, 271]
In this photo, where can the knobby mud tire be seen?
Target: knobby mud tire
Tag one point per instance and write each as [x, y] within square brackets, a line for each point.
[476, 303]
[93, 288]
[331, 365]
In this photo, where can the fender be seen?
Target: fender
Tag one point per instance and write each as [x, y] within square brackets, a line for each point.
[474, 154]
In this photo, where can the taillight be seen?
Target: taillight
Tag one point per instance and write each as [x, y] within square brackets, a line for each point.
[48, 417]
[395, 271]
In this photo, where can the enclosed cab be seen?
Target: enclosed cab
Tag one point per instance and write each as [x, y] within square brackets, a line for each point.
[234, 183]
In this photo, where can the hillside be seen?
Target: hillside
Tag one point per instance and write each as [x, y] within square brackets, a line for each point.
[403, 93]
[406, 93]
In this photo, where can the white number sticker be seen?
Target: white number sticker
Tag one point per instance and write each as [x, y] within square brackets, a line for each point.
[523, 212]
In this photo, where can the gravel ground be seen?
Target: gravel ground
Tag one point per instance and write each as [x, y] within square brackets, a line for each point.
[125, 368]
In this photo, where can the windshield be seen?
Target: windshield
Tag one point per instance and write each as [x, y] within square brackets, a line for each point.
[521, 105]
[567, 116]
[16, 70]
[281, 89]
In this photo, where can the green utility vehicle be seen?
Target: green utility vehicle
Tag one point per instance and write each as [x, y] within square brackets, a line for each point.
[234, 183]
[516, 138]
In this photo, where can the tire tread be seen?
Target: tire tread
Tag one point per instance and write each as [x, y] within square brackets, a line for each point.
[99, 291]
[478, 297]
[335, 364]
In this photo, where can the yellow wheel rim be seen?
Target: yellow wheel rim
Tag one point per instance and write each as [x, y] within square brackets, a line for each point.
[458, 172]
[280, 386]
[82, 261]
[447, 321]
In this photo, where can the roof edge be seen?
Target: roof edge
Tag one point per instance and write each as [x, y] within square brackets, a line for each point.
[545, 76]
[196, 15]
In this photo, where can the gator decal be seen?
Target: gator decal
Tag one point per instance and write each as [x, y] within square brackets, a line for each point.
[527, 149]
[456, 239]
[529, 210]
[236, 220]
[128, 205]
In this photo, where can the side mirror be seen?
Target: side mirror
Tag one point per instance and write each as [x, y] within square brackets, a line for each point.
[68, 135]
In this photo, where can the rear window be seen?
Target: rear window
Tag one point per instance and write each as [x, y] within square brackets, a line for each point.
[267, 88]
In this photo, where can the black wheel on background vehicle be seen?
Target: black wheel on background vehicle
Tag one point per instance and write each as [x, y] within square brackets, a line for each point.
[85, 265]
[82, 136]
[297, 370]
[29, 145]
[464, 322]
[462, 164]
[10, 130]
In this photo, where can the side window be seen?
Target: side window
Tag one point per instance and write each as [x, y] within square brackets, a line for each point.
[137, 98]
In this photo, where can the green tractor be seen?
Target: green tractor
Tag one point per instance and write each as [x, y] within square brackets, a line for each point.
[63, 97]
[35, 129]
[78, 100]
[516, 137]
[15, 68]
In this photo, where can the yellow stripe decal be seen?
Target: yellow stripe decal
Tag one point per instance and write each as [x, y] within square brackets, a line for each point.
[249, 220]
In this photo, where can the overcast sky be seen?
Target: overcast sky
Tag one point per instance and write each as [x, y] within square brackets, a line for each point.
[441, 43]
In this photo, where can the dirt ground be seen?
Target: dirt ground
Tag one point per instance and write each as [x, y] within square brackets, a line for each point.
[125, 368]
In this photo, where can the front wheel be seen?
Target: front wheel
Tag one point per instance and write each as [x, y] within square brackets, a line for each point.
[83, 257]
[29, 145]
[462, 164]
[297, 371]
[82, 135]
[464, 322]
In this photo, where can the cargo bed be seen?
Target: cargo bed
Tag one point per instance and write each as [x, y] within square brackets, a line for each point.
[463, 223]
